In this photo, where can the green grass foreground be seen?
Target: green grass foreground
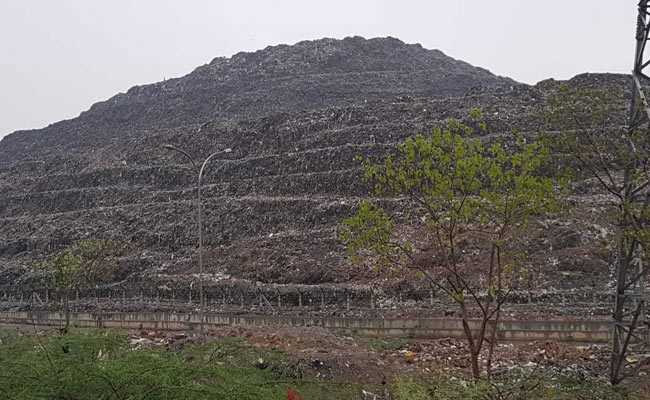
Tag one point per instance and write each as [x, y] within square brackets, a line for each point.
[104, 365]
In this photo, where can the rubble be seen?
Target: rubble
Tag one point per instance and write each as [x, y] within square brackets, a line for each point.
[327, 356]
[291, 121]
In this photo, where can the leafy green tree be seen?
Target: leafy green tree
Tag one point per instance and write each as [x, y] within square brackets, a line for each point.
[466, 203]
[84, 264]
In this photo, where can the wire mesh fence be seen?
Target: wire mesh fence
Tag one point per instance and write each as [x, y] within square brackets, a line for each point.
[275, 297]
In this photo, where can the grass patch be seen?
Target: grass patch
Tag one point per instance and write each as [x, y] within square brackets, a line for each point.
[102, 365]
[515, 385]
[381, 345]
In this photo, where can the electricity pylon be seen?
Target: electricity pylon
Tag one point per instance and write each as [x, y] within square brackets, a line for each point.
[630, 331]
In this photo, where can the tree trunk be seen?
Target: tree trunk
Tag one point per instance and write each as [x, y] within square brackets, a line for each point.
[476, 368]
[473, 353]
[67, 312]
[493, 341]
[497, 315]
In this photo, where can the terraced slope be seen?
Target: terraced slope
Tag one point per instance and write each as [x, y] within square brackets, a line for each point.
[293, 118]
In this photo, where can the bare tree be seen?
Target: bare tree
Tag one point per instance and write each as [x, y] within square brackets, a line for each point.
[600, 146]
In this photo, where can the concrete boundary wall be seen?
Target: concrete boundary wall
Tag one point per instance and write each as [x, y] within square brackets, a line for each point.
[565, 331]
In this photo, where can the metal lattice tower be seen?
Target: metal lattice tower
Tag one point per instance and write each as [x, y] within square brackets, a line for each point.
[640, 119]
[630, 332]
[640, 110]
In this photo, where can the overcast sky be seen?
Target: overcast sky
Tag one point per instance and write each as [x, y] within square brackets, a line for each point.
[59, 57]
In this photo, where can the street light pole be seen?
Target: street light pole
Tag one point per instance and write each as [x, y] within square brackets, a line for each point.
[199, 207]
[200, 218]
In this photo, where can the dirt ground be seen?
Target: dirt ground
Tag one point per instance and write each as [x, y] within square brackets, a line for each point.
[325, 355]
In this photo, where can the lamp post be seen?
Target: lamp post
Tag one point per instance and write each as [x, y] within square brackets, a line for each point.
[199, 207]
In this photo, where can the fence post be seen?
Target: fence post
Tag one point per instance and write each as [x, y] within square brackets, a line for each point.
[347, 300]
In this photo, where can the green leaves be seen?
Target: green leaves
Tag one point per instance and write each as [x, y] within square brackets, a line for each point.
[514, 189]
[436, 171]
[454, 180]
[369, 229]
[85, 263]
[65, 267]
[465, 197]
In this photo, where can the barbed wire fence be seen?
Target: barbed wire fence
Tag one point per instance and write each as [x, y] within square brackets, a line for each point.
[275, 298]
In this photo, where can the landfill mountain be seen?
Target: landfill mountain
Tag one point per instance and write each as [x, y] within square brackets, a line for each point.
[290, 121]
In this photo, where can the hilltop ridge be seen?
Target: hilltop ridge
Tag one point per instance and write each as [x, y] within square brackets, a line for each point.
[307, 75]
[294, 118]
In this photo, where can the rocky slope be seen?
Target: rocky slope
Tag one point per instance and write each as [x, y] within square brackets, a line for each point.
[293, 119]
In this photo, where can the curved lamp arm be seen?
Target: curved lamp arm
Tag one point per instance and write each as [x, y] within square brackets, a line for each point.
[183, 152]
[206, 163]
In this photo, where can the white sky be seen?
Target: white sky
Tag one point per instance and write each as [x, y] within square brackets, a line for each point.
[57, 57]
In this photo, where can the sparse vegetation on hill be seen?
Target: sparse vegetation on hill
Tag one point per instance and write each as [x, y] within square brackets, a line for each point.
[295, 118]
